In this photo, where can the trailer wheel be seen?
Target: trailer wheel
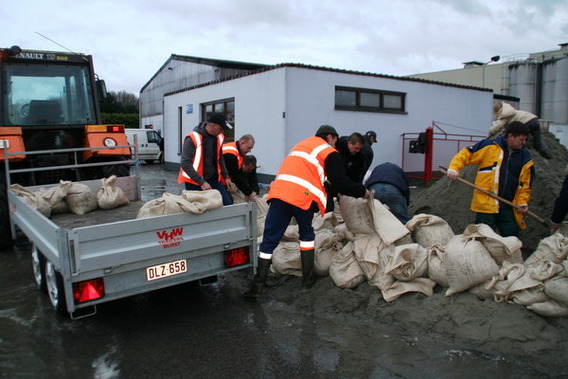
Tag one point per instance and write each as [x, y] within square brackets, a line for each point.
[38, 266]
[5, 229]
[55, 288]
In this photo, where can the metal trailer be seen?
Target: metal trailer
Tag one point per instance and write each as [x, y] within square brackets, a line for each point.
[85, 260]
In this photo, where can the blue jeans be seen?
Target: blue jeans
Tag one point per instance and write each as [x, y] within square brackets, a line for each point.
[393, 198]
[277, 220]
[227, 199]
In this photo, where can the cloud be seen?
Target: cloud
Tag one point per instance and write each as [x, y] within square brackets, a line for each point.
[130, 40]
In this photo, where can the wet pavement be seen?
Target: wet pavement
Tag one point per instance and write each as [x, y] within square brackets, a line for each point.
[208, 332]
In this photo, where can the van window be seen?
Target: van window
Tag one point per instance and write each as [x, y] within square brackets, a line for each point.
[155, 138]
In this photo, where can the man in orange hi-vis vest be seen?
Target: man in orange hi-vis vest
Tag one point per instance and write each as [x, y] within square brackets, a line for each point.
[234, 155]
[299, 190]
[202, 166]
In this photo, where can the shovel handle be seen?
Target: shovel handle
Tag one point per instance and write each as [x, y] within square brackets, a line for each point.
[504, 201]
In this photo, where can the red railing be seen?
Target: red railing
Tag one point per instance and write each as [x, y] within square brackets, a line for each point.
[439, 151]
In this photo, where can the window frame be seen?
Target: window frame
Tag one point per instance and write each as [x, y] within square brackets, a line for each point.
[378, 109]
[227, 108]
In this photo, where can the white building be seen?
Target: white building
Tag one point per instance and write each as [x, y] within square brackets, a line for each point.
[283, 104]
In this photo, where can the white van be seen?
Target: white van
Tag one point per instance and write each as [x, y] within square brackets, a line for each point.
[150, 144]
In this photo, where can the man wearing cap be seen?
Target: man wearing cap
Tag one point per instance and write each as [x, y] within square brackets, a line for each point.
[299, 190]
[202, 166]
[367, 150]
[234, 155]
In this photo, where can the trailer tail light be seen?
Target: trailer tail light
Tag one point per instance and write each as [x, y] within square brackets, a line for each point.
[237, 257]
[88, 290]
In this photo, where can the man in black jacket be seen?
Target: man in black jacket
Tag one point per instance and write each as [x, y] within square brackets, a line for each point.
[350, 150]
[560, 206]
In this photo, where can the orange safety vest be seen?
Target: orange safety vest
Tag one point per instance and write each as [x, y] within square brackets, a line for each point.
[231, 148]
[198, 158]
[300, 180]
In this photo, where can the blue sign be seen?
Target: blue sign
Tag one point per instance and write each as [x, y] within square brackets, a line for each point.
[189, 109]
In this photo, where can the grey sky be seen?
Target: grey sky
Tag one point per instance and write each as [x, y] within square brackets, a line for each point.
[131, 39]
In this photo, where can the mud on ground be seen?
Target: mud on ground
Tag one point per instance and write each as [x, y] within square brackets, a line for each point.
[461, 321]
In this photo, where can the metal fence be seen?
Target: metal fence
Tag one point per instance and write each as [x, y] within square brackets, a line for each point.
[444, 147]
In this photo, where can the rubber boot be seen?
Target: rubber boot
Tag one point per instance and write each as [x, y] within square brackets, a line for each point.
[308, 275]
[259, 281]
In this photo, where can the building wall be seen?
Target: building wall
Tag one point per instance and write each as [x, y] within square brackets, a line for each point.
[259, 106]
[282, 106]
[486, 76]
[311, 100]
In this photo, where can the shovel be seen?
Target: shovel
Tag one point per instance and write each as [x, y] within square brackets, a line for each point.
[504, 201]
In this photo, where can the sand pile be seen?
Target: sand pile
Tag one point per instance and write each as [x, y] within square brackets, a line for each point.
[451, 200]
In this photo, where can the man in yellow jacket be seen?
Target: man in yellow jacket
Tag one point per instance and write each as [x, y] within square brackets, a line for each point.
[505, 168]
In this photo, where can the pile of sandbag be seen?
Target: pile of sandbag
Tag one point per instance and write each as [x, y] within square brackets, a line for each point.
[72, 197]
[196, 202]
[364, 242]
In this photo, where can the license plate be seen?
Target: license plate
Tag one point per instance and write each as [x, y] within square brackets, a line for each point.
[166, 269]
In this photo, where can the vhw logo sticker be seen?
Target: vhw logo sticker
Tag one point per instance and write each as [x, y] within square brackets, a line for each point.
[171, 238]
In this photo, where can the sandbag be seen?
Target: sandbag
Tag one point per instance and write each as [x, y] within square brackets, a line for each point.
[55, 196]
[327, 244]
[549, 308]
[529, 296]
[501, 248]
[482, 292]
[80, 199]
[382, 280]
[238, 196]
[342, 231]
[165, 205]
[345, 270]
[261, 206]
[109, 195]
[409, 262]
[260, 225]
[327, 221]
[286, 258]
[436, 268]
[428, 230]
[557, 289]
[467, 263]
[32, 199]
[387, 226]
[291, 233]
[357, 215]
[203, 200]
[399, 288]
[366, 250]
[545, 270]
[552, 248]
[508, 274]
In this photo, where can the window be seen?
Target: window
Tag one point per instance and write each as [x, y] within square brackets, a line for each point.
[227, 107]
[369, 100]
